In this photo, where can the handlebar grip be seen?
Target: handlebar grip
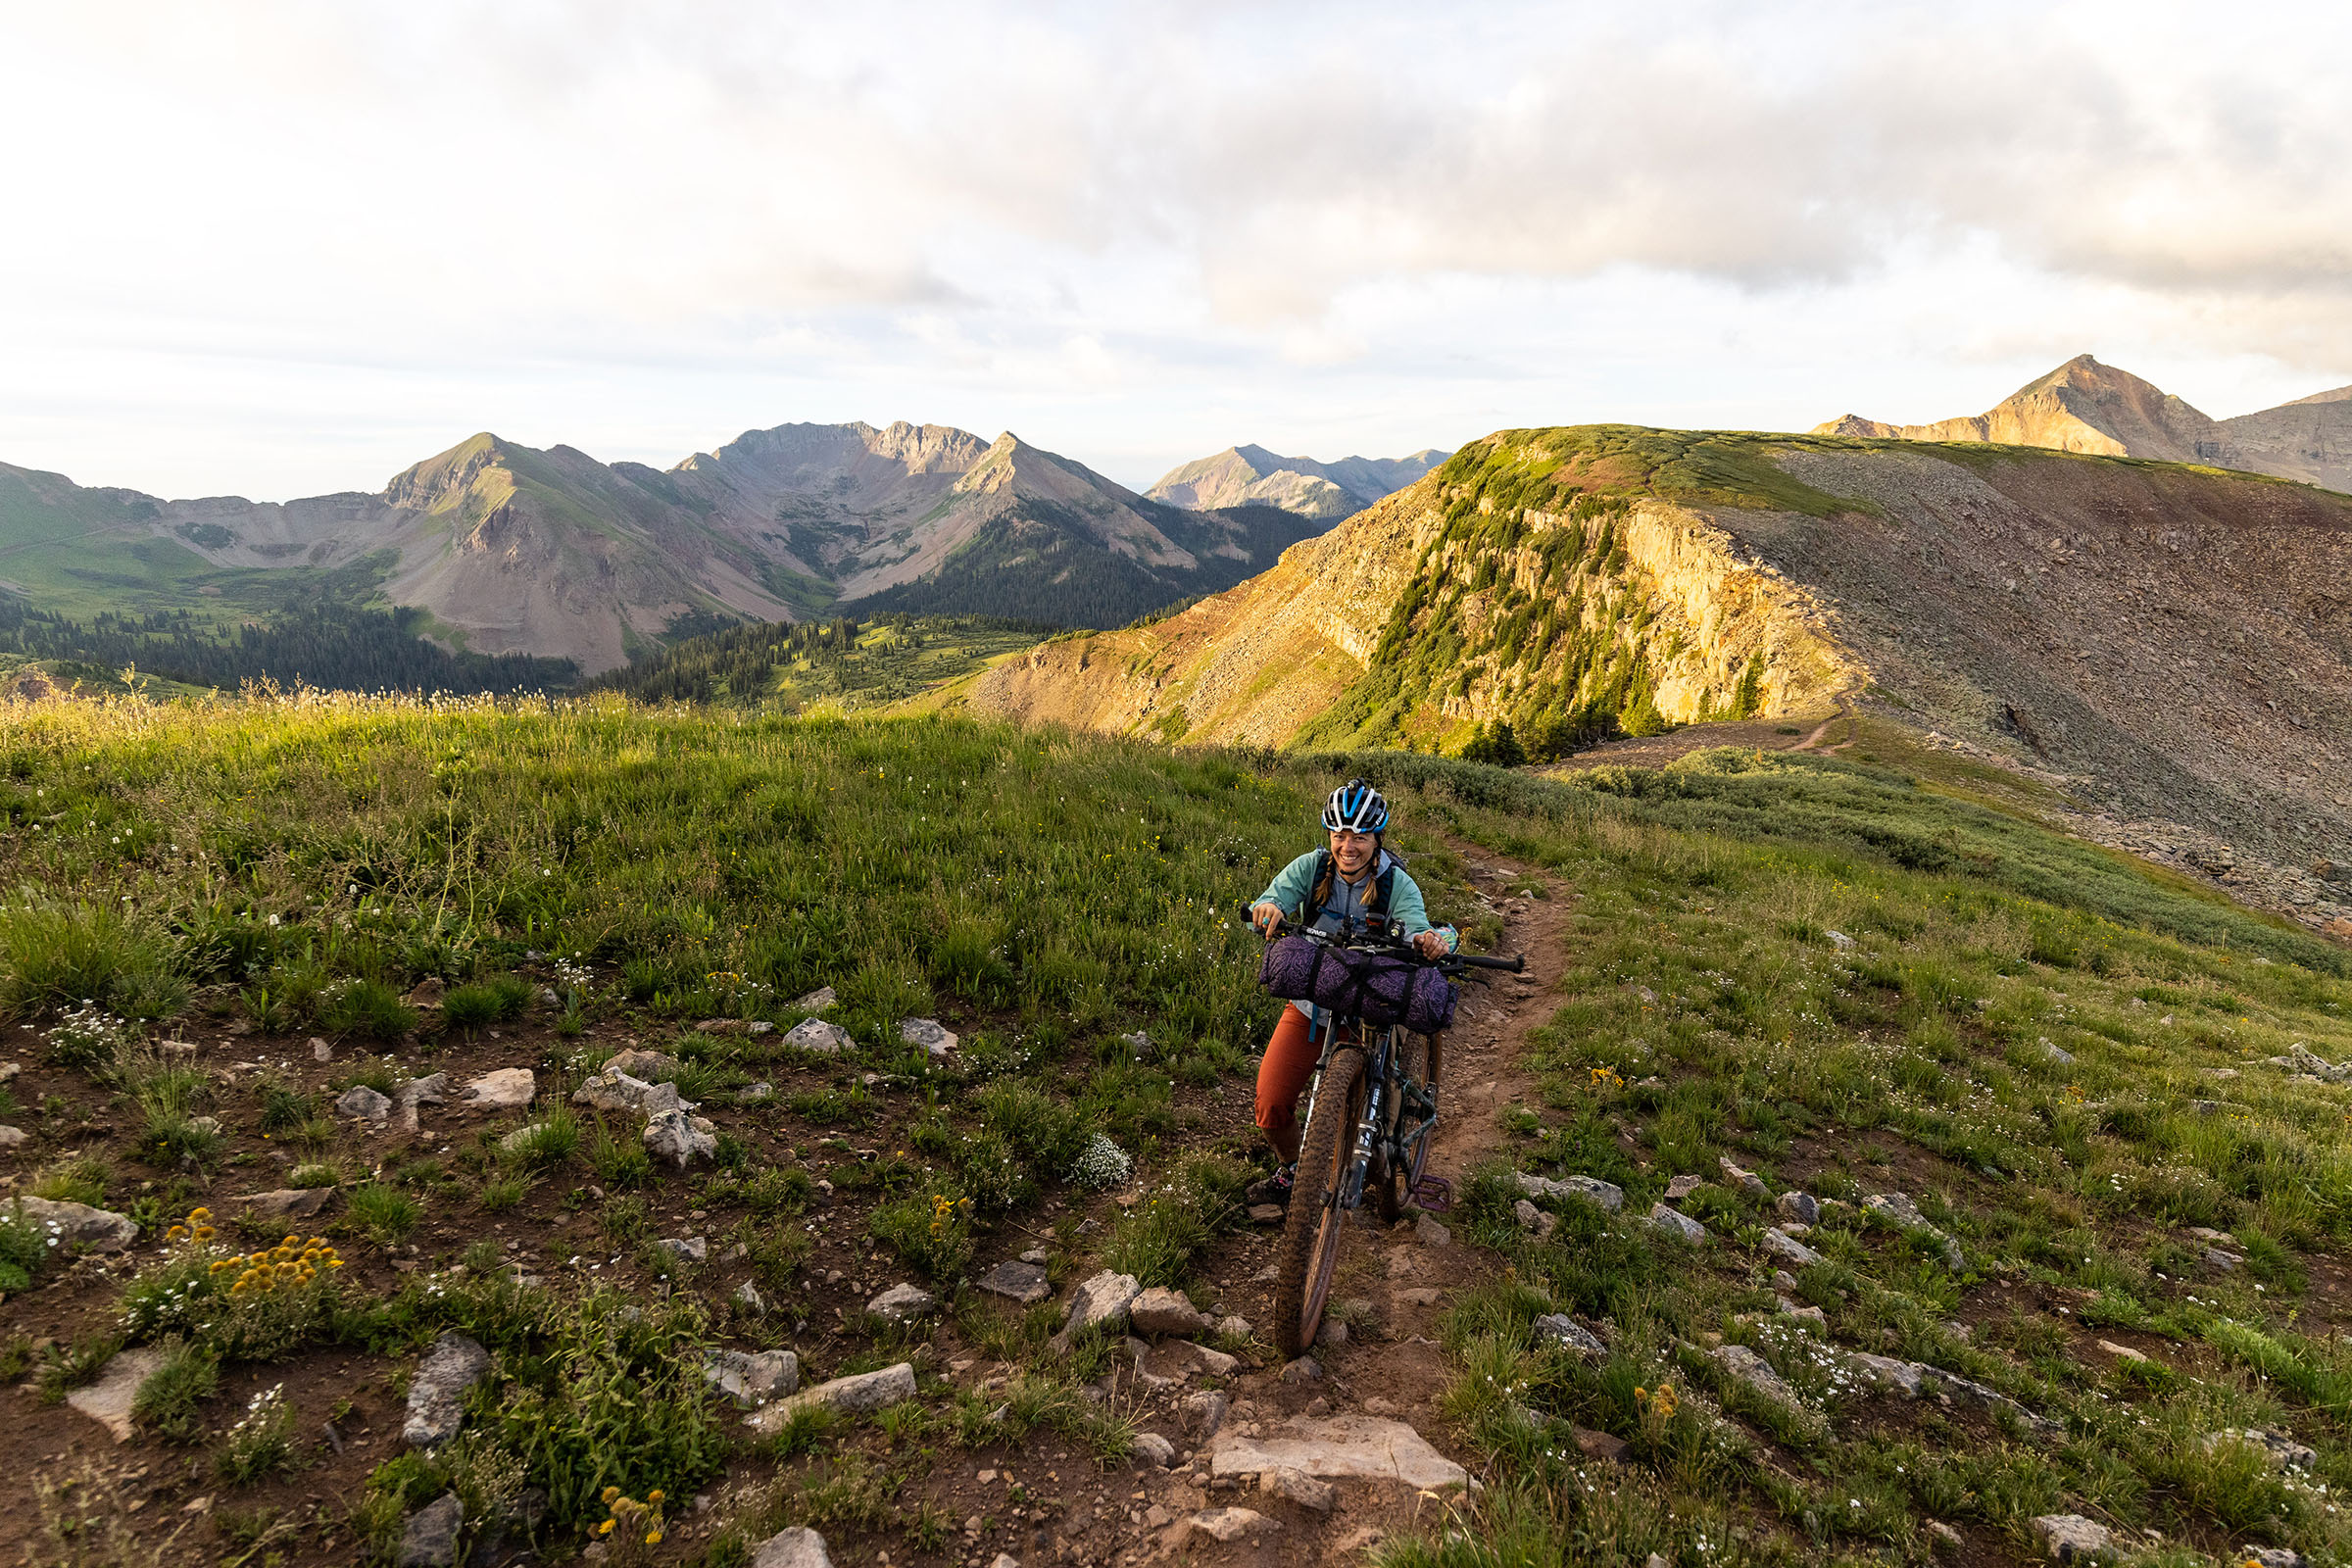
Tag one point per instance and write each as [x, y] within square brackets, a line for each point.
[1514, 965]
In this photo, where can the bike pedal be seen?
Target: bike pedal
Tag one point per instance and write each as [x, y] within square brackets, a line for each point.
[1433, 1193]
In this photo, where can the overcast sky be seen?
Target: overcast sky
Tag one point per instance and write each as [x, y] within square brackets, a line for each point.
[277, 249]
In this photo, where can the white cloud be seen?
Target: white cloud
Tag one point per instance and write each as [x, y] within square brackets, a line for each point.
[276, 247]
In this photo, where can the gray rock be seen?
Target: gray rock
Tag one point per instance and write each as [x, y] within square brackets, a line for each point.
[1430, 1231]
[1364, 1447]
[1781, 1245]
[1798, 1207]
[1023, 1282]
[2071, 1538]
[1216, 1363]
[903, 1304]
[2055, 1054]
[753, 1094]
[752, 1378]
[1201, 1414]
[1839, 940]
[1231, 1524]
[11, 1137]
[929, 1034]
[437, 1393]
[1584, 1189]
[108, 1402]
[1942, 1539]
[1757, 1373]
[638, 1063]
[1906, 1378]
[797, 1548]
[817, 1001]
[2272, 1557]
[1139, 1045]
[1297, 1486]
[1234, 1327]
[1160, 1310]
[669, 1135]
[1747, 1181]
[1558, 1328]
[851, 1396]
[1898, 1210]
[1156, 1448]
[290, 1202]
[1305, 1369]
[1331, 1332]
[1683, 1185]
[68, 1224]
[430, 1089]
[1535, 1221]
[615, 1090]
[686, 1248]
[507, 1089]
[364, 1103]
[1678, 1224]
[430, 1538]
[746, 1296]
[817, 1035]
[1101, 1302]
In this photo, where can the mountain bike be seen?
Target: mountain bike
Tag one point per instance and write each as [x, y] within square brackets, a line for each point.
[1371, 1116]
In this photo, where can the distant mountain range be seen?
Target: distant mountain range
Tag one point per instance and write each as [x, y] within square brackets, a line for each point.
[1250, 475]
[2083, 406]
[509, 549]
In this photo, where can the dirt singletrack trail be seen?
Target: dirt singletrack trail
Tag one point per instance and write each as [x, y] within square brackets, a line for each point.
[1384, 1367]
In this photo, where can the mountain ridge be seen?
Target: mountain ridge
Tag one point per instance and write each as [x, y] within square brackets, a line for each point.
[550, 551]
[2084, 405]
[1248, 474]
[2173, 642]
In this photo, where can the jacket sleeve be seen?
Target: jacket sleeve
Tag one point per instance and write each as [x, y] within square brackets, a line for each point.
[1292, 884]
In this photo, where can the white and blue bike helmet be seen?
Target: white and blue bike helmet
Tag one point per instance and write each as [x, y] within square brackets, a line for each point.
[1357, 806]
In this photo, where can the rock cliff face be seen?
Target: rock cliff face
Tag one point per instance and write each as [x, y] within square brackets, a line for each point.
[2084, 405]
[2177, 644]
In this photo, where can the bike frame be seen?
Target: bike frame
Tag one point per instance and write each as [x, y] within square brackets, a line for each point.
[1380, 1080]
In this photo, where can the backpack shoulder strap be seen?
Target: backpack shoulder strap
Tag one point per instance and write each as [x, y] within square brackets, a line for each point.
[1318, 893]
[1382, 886]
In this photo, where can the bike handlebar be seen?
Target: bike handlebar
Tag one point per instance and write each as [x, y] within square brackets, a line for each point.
[1372, 943]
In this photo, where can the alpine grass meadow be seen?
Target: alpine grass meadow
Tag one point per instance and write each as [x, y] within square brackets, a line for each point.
[490, 1159]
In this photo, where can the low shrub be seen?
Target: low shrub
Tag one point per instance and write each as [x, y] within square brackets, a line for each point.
[75, 1179]
[367, 1009]
[170, 1399]
[485, 1002]
[23, 1245]
[54, 955]
[383, 1214]
[544, 1144]
[261, 1305]
[261, 1442]
[612, 1396]
[931, 1232]
[619, 1161]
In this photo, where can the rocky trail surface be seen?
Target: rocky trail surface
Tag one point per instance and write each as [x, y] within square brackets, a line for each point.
[1318, 1461]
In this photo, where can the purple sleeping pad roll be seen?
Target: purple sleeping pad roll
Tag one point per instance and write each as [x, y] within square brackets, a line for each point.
[1370, 986]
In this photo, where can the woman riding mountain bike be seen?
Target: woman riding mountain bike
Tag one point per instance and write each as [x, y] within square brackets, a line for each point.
[1353, 885]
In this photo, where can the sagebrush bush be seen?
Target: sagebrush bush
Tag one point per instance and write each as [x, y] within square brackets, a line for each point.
[931, 1231]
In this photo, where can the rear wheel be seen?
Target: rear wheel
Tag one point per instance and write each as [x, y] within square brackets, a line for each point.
[1310, 1234]
[1394, 1183]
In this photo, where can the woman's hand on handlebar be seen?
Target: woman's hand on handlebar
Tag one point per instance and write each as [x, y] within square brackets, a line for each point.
[1267, 917]
[1430, 944]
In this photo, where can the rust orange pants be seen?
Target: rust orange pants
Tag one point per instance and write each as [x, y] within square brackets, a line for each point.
[1282, 1076]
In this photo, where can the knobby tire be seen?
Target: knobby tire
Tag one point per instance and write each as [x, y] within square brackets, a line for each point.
[1310, 1234]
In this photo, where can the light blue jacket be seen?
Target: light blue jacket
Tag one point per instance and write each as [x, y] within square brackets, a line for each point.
[1295, 884]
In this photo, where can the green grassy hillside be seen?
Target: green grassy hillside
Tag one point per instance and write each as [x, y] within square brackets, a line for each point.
[853, 664]
[1844, 981]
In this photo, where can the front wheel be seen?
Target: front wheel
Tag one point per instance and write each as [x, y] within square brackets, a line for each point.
[1310, 1234]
